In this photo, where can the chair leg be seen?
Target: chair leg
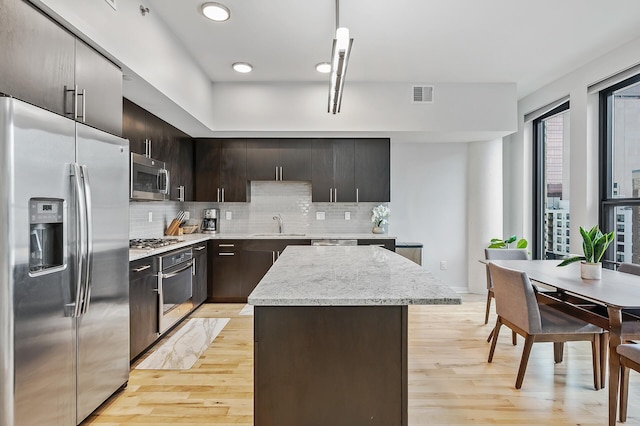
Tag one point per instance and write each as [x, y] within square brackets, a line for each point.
[596, 360]
[528, 344]
[604, 357]
[496, 332]
[491, 335]
[486, 314]
[624, 391]
[558, 352]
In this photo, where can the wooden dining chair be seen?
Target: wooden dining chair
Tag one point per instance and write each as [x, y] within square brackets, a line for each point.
[629, 359]
[500, 254]
[517, 308]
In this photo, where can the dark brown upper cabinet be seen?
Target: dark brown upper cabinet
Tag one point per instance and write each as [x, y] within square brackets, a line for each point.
[279, 159]
[372, 170]
[332, 172]
[151, 135]
[221, 170]
[43, 64]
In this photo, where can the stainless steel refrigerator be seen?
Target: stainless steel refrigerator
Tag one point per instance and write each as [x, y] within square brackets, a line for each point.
[64, 293]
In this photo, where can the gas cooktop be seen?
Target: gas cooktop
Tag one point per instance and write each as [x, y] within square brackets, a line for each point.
[152, 243]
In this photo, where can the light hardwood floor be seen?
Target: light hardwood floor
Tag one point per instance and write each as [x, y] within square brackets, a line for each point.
[450, 381]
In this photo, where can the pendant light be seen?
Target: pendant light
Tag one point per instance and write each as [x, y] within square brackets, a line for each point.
[339, 59]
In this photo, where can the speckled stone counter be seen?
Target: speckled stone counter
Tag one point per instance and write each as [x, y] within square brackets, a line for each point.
[348, 276]
[330, 335]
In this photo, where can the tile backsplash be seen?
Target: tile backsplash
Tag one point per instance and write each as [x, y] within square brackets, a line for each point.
[291, 200]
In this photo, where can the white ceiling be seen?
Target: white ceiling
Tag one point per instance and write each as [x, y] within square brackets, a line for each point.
[419, 41]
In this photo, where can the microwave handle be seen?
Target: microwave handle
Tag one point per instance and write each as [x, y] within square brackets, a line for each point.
[164, 189]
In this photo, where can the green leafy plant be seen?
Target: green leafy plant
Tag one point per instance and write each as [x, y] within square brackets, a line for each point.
[498, 243]
[594, 244]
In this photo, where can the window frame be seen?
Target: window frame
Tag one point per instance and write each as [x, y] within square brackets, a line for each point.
[608, 204]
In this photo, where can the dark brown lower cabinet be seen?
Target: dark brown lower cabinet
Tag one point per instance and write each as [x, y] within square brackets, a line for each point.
[200, 274]
[143, 306]
[237, 266]
[330, 365]
[226, 271]
[388, 243]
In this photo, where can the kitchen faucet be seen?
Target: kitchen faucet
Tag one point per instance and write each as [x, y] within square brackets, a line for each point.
[280, 224]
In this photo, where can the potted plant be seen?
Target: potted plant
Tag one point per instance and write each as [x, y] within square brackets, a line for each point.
[380, 218]
[498, 243]
[594, 244]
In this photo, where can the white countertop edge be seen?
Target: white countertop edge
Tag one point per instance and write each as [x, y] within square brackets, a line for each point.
[190, 239]
[356, 302]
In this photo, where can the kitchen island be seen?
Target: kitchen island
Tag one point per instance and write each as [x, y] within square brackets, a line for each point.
[330, 335]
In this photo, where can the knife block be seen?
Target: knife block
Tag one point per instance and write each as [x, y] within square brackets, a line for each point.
[174, 228]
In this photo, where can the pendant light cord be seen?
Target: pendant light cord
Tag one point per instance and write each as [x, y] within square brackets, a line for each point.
[337, 14]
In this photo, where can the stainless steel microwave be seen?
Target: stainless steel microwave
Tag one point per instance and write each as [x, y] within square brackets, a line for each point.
[149, 178]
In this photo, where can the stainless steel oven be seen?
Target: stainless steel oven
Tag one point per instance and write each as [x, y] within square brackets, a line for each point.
[175, 290]
[149, 178]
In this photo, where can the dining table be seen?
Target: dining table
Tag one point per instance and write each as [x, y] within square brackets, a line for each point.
[603, 302]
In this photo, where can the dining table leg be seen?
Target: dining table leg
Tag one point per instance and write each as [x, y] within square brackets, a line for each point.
[615, 329]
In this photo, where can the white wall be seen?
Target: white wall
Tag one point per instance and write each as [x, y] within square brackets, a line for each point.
[429, 204]
[583, 144]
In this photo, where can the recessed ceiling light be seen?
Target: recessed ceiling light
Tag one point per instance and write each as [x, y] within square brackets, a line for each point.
[216, 11]
[323, 67]
[242, 67]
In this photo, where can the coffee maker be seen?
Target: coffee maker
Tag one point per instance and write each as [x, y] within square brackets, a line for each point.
[210, 221]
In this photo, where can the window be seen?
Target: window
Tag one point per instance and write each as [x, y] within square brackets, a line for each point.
[620, 168]
[551, 179]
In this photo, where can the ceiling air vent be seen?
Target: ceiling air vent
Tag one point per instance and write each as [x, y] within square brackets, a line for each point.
[422, 95]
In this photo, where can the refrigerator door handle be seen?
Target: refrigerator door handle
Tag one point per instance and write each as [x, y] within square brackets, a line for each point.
[80, 236]
[89, 235]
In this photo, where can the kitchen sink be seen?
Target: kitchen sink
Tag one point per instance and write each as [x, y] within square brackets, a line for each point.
[275, 234]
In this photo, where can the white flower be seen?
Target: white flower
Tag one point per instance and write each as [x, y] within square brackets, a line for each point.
[380, 215]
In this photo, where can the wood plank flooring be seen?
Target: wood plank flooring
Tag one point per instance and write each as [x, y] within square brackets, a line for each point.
[450, 381]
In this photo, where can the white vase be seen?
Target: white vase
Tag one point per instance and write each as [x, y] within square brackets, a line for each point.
[377, 230]
[591, 271]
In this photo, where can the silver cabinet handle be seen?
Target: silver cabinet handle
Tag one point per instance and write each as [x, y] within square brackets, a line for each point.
[181, 193]
[335, 195]
[276, 172]
[200, 248]
[223, 195]
[331, 195]
[142, 268]
[218, 194]
[273, 257]
[281, 173]
[226, 245]
[357, 195]
[226, 254]
[193, 268]
[147, 148]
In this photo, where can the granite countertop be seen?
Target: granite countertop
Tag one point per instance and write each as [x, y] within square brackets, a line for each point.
[189, 239]
[348, 276]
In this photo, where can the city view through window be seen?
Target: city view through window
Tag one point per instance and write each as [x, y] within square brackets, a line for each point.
[556, 185]
[625, 170]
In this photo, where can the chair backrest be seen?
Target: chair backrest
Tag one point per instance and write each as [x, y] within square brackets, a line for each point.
[629, 268]
[515, 298]
[503, 254]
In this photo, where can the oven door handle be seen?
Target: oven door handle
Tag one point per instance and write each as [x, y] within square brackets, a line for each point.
[173, 274]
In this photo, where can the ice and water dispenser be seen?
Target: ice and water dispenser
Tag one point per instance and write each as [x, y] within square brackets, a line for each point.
[46, 247]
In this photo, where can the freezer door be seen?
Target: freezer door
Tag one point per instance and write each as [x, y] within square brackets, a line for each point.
[103, 328]
[39, 305]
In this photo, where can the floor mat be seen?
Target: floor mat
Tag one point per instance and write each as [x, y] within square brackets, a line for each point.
[184, 348]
